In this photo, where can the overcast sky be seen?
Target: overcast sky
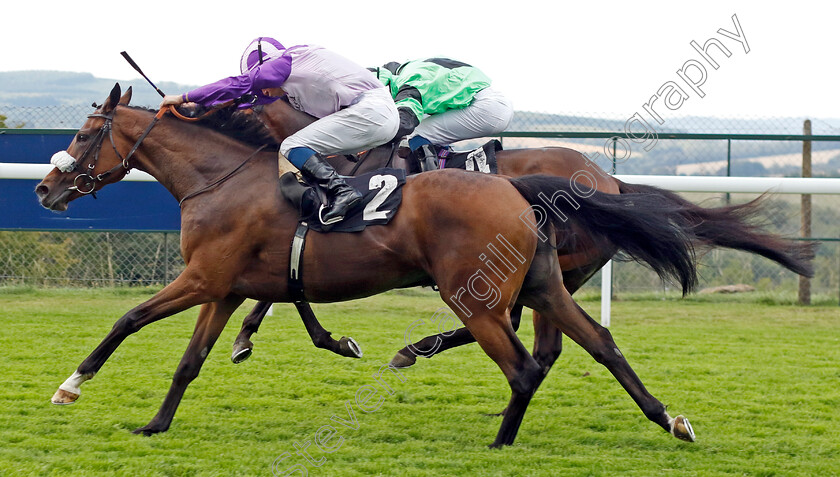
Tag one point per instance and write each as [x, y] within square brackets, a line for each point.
[551, 56]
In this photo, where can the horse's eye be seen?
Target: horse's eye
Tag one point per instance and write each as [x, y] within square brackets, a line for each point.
[81, 137]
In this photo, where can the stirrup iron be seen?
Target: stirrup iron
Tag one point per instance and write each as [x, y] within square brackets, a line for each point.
[329, 222]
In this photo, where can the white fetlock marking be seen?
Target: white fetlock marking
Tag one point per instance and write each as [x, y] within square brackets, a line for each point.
[71, 385]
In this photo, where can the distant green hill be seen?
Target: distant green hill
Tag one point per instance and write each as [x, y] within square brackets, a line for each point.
[57, 88]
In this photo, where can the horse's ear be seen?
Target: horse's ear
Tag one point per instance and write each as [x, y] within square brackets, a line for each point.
[113, 99]
[124, 100]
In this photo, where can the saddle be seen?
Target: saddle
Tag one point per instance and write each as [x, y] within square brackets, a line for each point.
[380, 189]
[482, 159]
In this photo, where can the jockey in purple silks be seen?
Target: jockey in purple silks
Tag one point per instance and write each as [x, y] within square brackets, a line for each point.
[355, 110]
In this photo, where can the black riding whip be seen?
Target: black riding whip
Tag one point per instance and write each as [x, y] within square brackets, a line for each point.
[137, 68]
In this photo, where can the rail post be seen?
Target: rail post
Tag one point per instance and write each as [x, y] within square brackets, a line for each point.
[728, 165]
[805, 282]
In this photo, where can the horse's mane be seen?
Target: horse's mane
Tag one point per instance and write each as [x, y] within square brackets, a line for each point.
[241, 125]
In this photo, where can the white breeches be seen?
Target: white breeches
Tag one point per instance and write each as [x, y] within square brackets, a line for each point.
[488, 114]
[370, 121]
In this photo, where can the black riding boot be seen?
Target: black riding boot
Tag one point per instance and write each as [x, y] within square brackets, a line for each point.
[342, 196]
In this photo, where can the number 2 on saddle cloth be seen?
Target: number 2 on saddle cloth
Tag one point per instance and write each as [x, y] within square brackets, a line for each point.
[381, 196]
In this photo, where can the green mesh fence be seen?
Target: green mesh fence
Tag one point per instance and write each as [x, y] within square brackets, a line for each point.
[108, 258]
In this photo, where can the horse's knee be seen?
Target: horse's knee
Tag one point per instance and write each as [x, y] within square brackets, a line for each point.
[185, 374]
[189, 368]
[548, 344]
[127, 324]
[527, 378]
[546, 359]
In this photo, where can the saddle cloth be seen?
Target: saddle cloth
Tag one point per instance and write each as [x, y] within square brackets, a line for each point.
[381, 196]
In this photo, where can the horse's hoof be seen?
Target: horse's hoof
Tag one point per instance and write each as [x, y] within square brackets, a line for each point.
[240, 355]
[63, 397]
[681, 429]
[349, 347]
[147, 430]
[403, 361]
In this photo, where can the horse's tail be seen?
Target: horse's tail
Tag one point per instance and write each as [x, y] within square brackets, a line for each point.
[647, 230]
[735, 227]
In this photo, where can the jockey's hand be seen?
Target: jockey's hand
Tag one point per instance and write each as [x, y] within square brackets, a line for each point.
[171, 99]
[408, 121]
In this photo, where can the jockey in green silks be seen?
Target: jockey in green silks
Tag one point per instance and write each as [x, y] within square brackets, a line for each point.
[441, 101]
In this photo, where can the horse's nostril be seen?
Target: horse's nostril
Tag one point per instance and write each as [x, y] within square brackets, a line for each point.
[42, 190]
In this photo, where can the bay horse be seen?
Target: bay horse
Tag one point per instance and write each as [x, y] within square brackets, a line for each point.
[580, 254]
[235, 236]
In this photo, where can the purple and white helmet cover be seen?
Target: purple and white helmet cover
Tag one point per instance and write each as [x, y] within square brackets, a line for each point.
[270, 47]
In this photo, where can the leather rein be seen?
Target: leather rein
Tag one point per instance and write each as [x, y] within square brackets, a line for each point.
[89, 180]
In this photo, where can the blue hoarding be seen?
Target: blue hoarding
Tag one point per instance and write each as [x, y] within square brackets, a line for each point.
[145, 206]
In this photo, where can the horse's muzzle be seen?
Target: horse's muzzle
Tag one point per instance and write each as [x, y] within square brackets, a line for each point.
[51, 201]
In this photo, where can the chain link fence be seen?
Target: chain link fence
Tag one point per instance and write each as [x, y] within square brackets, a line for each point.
[721, 267]
[121, 258]
[89, 259]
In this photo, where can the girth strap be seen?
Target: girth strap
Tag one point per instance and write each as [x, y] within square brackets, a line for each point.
[296, 263]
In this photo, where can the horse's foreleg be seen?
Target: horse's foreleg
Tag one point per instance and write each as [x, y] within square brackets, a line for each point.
[174, 298]
[211, 321]
[321, 338]
[432, 345]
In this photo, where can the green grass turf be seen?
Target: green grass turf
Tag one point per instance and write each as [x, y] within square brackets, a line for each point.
[760, 383]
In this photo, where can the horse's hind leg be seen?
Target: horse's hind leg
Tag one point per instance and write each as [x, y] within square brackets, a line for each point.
[321, 338]
[572, 320]
[211, 321]
[242, 346]
[435, 344]
[499, 341]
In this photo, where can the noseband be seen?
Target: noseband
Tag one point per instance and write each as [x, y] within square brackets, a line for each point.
[88, 179]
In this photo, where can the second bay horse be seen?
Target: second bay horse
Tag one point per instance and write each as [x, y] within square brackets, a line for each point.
[580, 254]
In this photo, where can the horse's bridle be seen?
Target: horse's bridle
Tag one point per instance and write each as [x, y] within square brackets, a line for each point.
[108, 128]
[90, 180]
